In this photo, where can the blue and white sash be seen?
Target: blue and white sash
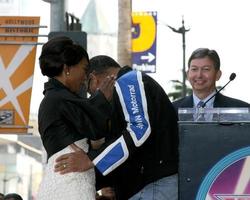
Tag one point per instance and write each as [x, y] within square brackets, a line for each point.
[130, 89]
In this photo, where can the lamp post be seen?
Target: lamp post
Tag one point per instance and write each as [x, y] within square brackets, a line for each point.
[57, 11]
[182, 30]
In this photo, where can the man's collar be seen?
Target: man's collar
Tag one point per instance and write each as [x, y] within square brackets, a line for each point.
[209, 104]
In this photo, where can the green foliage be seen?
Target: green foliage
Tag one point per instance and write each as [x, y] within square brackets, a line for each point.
[177, 90]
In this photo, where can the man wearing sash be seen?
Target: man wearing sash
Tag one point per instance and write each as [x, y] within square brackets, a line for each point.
[140, 155]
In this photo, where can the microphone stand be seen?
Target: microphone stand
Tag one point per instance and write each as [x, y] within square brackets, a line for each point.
[231, 78]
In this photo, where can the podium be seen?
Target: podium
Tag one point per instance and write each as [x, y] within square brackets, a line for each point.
[214, 154]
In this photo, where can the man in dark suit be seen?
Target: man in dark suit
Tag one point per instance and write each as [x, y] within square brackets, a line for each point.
[203, 72]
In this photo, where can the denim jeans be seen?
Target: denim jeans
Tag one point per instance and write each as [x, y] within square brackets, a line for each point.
[162, 189]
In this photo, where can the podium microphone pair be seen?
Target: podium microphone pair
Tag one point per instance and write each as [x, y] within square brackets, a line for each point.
[231, 78]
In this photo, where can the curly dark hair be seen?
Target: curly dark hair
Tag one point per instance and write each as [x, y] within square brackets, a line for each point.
[101, 63]
[12, 196]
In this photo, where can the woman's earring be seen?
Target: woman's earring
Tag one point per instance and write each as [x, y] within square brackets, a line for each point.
[67, 73]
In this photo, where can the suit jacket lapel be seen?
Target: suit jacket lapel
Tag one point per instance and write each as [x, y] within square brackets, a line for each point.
[188, 102]
[218, 101]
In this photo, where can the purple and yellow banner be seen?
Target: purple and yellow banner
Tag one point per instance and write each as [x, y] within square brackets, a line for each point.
[18, 39]
[144, 31]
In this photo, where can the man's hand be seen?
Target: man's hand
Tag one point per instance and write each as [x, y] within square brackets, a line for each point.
[77, 161]
[107, 86]
[96, 144]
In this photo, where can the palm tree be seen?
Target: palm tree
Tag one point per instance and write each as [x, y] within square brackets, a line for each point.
[124, 32]
[178, 90]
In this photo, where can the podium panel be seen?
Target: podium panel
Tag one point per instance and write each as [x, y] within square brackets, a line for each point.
[214, 161]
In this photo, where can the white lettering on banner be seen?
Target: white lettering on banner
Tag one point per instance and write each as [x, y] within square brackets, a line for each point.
[133, 99]
[144, 67]
[138, 120]
[135, 108]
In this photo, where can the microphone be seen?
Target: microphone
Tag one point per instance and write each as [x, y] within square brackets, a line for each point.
[231, 78]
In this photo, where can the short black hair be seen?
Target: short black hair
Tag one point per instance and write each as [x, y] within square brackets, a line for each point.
[59, 51]
[202, 53]
[12, 196]
[99, 64]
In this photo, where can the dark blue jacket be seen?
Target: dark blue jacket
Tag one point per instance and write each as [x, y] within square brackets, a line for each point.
[157, 156]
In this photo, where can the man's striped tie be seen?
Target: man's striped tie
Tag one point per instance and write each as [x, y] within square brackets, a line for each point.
[201, 116]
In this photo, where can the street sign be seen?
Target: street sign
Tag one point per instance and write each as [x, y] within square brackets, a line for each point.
[144, 31]
[18, 40]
